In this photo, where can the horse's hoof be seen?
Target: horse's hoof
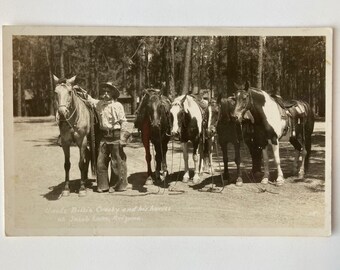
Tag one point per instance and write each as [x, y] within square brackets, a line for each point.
[164, 175]
[196, 179]
[301, 175]
[149, 181]
[239, 182]
[265, 181]
[186, 178]
[82, 193]
[280, 181]
[66, 193]
[111, 190]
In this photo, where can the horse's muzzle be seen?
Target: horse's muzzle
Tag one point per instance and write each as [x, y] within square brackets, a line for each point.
[175, 134]
[63, 111]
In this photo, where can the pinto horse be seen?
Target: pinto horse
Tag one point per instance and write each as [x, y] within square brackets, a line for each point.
[74, 126]
[272, 121]
[187, 123]
[228, 131]
[153, 119]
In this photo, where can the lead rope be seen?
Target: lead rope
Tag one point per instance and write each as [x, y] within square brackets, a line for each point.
[172, 187]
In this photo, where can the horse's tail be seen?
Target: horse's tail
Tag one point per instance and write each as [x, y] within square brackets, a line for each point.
[308, 130]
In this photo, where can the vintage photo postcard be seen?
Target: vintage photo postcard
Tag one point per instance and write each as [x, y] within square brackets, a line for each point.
[167, 131]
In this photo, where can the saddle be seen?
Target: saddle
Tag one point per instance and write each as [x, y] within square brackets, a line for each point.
[292, 107]
[294, 110]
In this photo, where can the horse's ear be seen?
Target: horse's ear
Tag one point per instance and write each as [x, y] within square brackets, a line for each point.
[71, 81]
[236, 86]
[183, 99]
[182, 103]
[246, 86]
[56, 79]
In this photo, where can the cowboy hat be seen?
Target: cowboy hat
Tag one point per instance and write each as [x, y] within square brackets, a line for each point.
[114, 90]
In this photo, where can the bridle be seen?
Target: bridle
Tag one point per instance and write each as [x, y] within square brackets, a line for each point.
[67, 106]
[163, 111]
[250, 102]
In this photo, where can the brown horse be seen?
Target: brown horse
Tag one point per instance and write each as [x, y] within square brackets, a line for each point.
[74, 126]
[153, 119]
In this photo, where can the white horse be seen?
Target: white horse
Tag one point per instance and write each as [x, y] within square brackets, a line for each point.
[187, 123]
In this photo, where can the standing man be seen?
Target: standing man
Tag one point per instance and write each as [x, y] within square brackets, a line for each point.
[113, 137]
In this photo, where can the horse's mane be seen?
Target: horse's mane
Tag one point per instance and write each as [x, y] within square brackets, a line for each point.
[81, 107]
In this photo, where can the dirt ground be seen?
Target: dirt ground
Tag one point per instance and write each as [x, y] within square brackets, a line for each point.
[39, 180]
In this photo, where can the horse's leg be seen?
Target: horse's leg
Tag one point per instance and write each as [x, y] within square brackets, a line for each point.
[207, 157]
[146, 144]
[186, 162]
[210, 153]
[276, 150]
[309, 150]
[82, 167]
[296, 161]
[256, 157]
[239, 180]
[196, 178]
[158, 158]
[297, 146]
[164, 163]
[265, 178]
[67, 166]
[224, 148]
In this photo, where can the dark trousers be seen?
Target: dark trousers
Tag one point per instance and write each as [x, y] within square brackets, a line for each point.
[111, 151]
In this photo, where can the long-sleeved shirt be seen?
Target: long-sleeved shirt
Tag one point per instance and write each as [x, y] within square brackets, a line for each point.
[111, 113]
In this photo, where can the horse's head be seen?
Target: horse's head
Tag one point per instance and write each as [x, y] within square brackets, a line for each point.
[178, 112]
[63, 90]
[155, 107]
[243, 101]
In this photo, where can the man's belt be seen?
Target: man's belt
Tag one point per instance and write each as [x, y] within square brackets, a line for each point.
[109, 133]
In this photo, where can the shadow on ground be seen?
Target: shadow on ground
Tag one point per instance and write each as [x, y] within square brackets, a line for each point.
[55, 191]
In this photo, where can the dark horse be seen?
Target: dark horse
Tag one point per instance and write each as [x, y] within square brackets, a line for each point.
[74, 126]
[229, 130]
[272, 120]
[153, 119]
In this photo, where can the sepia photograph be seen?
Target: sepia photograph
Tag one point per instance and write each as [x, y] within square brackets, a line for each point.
[167, 131]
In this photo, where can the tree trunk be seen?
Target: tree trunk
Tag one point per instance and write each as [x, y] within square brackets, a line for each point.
[19, 111]
[134, 95]
[49, 59]
[260, 64]
[172, 89]
[219, 65]
[187, 61]
[124, 73]
[232, 64]
[146, 61]
[62, 68]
